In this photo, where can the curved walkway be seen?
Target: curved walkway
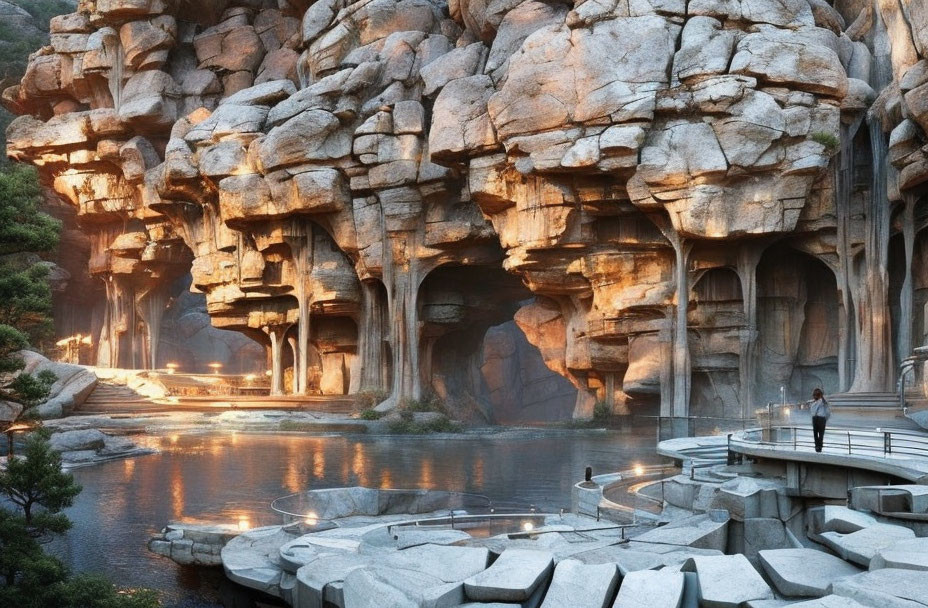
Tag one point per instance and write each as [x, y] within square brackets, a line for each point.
[903, 454]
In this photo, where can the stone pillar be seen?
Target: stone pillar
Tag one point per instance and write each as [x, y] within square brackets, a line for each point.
[748, 258]
[681, 350]
[370, 337]
[276, 334]
[298, 388]
[907, 296]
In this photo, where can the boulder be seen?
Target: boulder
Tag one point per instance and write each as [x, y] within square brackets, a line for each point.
[652, 588]
[727, 581]
[577, 584]
[804, 572]
[68, 441]
[512, 577]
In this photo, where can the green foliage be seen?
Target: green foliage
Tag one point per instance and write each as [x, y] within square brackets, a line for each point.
[39, 490]
[406, 425]
[35, 479]
[369, 399]
[91, 591]
[23, 228]
[25, 296]
[828, 140]
[428, 404]
[602, 411]
[371, 414]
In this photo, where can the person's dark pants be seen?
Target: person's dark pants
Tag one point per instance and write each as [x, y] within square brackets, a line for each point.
[818, 431]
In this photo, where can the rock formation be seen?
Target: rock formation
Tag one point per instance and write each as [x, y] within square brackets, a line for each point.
[683, 204]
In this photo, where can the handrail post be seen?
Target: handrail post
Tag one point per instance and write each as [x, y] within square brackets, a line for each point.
[887, 443]
[731, 456]
[795, 432]
[848, 442]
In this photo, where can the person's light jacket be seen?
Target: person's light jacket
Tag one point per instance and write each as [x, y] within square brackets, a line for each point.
[820, 408]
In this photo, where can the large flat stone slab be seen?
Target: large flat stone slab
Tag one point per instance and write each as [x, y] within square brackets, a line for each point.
[860, 547]
[829, 601]
[318, 576]
[804, 572]
[448, 564]
[377, 587]
[708, 531]
[512, 577]
[727, 581]
[250, 559]
[834, 518]
[885, 588]
[909, 554]
[577, 584]
[650, 589]
[641, 556]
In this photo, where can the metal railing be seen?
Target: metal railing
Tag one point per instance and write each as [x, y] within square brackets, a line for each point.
[879, 442]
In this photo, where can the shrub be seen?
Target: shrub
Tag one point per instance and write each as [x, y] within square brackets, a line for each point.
[369, 399]
[828, 140]
[406, 425]
[371, 414]
[428, 404]
[602, 411]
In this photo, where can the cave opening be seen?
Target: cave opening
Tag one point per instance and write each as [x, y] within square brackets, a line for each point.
[798, 326]
[476, 358]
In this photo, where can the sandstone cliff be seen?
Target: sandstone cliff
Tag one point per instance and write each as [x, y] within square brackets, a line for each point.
[683, 204]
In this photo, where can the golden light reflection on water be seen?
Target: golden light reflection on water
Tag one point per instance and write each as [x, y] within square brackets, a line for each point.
[358, 464]
[129, 467]
[478, 471]
[425, 473]
[177, 491]
[386, 481]
[318, 460]
[293, 475]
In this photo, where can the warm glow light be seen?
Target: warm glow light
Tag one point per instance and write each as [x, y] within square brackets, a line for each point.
[268, 373]
[174, 438]
[87, 340]
[243, 523]
[172, 367]
[250, 378]
[528, 526]
[639, 470]
[786, 411]
[215, 366]
[311, 518]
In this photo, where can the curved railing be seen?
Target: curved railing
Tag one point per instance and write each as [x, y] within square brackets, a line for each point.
[879, 442]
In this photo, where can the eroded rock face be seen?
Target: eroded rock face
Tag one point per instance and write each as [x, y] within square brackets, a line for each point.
[347, 180]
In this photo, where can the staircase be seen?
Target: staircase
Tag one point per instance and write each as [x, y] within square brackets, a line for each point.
[865, 401]
[109, 398]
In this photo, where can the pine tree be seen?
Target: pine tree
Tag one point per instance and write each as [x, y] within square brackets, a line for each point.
[30, 578]
[25, 297]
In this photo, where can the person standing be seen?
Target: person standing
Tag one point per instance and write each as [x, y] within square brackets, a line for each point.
[821, 412]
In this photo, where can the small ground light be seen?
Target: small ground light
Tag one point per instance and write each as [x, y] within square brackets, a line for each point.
[243, 524]
[639, 470]
[312, 519]
[215, 367]
[528, 526]
[172, 367]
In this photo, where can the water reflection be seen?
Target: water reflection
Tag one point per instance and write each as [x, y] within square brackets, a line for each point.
[232, 478]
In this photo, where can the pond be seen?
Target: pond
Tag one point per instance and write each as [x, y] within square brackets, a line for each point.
[232, 477]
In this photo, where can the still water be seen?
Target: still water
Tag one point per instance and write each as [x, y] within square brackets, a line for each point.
[232, 477]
